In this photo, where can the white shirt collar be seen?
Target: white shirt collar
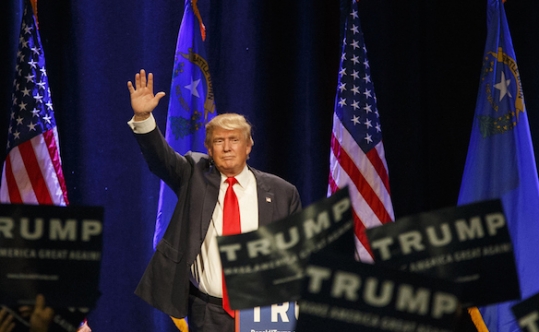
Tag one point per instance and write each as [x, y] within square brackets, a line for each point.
[243, 178]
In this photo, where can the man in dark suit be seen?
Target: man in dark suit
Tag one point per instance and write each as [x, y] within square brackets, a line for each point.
[184, 276]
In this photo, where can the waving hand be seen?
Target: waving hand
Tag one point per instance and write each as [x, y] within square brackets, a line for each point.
[143, 101]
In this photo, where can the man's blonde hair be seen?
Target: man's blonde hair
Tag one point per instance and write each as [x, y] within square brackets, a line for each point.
[229, 121]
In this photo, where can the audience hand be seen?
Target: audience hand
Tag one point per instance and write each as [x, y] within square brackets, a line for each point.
[6, 321]
[41, 316]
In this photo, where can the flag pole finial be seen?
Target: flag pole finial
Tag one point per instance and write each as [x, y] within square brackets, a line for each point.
[34, 8]
[197, 14]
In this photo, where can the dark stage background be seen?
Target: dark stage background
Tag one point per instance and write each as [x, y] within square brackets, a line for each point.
[277, 63]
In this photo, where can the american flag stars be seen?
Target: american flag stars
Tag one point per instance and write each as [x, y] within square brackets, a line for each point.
[32, 111]
[357, 98]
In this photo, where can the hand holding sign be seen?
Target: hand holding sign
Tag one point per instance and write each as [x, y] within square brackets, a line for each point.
[36, 318]
[6, 321]
[54, 251]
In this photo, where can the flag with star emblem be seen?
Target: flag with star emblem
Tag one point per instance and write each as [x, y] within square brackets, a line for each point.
[357, 157]
[191, 104]
[501, 162]
[32, 172]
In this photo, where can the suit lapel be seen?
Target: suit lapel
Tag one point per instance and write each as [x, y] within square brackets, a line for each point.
[213, 182]
[265, 198]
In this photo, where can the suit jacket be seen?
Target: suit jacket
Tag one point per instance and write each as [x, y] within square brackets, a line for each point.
[196, 182]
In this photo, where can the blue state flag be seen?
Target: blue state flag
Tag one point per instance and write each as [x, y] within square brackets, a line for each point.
[191, 105]
[501, 162]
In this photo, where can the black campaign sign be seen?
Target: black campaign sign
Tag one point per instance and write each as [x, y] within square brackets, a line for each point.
[527, 313]
[468, 244]
[266, 266]
[52, 250]
[340, 294]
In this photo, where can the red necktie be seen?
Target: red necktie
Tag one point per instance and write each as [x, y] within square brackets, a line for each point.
[231, 226]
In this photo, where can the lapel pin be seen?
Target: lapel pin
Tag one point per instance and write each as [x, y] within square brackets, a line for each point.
[268, 199]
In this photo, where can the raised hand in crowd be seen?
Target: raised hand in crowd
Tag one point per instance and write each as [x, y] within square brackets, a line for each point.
[6, 321]
[41, 316]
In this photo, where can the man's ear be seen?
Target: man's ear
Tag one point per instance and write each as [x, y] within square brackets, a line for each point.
[210, 151]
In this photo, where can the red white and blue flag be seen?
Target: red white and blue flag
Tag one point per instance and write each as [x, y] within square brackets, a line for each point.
[357, 157]
[32, 171]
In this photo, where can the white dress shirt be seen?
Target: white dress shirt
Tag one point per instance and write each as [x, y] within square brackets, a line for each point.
[206, 272]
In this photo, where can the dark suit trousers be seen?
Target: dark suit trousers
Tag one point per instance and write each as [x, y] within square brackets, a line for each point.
[205, 316]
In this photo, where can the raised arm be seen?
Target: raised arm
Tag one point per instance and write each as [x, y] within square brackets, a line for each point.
[41, 316]
[143, 101]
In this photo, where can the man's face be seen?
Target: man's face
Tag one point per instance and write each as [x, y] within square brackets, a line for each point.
[229, 150]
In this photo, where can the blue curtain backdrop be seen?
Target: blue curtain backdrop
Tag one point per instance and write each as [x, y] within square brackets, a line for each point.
[277, 63]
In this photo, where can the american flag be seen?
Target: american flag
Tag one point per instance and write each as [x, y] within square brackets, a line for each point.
[357, 157]
[32, 172]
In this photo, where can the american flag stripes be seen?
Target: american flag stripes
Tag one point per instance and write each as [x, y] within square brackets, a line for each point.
[357, 157]
[32, 172]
